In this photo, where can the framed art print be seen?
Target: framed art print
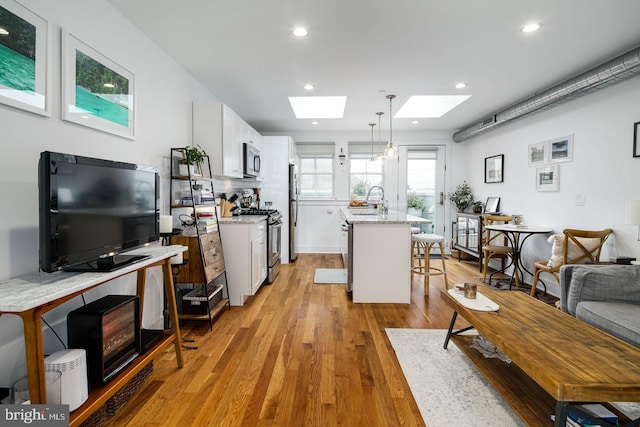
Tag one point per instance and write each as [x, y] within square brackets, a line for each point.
[561, 149]
[548, 178]
[537, 153]
[493, 169]
[25, 63]
[96, 92]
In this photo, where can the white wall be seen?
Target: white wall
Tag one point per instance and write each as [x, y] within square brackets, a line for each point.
[164, 93]
[603, 169]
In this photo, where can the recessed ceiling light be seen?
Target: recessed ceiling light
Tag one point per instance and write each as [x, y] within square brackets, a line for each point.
[300, 32]
[314, 123]
[530, 28]
[461, 85]
[430, 106]
[318, 107]
[415, 122]
[308, 86]
[4, 32]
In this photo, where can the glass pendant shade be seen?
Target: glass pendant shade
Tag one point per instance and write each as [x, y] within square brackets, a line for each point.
[391, 151]
[379, 154]
[373, 157]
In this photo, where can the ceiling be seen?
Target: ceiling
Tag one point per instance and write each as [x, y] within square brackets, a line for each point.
[244, 52]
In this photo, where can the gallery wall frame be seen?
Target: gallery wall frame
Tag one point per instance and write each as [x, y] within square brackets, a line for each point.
[96, 91]
[538, 153]
[548, 178]
[561, 149]
[636, 139]
[25, 59]
[494, 169]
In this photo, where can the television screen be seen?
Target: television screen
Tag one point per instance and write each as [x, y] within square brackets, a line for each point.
[91, 210]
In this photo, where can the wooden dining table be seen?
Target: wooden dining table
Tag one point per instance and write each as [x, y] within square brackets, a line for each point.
[517, 235]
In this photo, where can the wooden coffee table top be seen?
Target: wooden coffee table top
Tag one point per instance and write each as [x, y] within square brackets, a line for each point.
[570, 359]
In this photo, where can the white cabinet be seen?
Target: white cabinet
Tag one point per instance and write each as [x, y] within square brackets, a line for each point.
[252, 136]
[245, 249]
[219, 130]
[258, 256]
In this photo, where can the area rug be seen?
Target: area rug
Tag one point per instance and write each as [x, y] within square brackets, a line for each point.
[446, 386]
[503, 285]
[330, 276]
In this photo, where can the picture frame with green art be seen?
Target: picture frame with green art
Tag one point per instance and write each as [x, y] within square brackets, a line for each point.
[25, 59]
[96, 92]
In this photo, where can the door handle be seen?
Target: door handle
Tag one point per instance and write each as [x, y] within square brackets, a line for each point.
[442, 198]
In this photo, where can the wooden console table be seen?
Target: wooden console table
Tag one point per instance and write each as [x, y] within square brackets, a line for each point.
[32, 295]
[569, 359]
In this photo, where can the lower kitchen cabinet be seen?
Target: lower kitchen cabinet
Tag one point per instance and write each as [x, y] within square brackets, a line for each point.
[245, 249]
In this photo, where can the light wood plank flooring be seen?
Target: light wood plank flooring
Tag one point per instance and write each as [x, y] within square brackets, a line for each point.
[297, 354]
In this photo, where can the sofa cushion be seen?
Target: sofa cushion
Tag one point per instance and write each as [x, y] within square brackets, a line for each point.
[618, 319]
[619, 283]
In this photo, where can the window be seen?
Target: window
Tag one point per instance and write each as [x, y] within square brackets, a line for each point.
[316, 170]
[364, 173]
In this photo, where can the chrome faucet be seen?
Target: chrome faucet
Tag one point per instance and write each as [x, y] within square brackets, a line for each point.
[371, 189]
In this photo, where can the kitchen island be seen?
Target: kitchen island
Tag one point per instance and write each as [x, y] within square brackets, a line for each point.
[381, 255]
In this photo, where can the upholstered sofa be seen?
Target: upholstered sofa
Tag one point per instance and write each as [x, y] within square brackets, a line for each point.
[607, 297]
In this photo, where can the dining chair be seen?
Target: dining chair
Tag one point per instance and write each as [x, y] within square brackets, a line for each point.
[578, 247]
[495, 245]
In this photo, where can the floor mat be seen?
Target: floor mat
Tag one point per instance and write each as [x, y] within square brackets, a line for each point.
[330, 276]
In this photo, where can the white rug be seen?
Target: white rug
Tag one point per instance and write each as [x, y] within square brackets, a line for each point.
[330, 276]
[446, 386]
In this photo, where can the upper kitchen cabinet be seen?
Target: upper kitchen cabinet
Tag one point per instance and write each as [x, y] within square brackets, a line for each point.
[251, 136]
[219, 130]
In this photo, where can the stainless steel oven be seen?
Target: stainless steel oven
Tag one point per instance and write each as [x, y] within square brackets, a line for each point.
[274, 241]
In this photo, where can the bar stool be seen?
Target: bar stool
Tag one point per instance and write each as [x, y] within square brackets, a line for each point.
[423, 243]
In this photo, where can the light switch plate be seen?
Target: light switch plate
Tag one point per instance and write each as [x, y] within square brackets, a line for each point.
[580, 199]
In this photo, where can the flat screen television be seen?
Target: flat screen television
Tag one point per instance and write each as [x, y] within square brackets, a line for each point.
[93, 210]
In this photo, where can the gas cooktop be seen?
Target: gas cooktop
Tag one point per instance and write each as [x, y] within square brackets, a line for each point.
[254, 211]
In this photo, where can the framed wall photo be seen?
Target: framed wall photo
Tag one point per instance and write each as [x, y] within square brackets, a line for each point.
[561, 149]
[548, 178]
[96, 92]
[537, 153]
[25, 59]
[636, 139]
[493, 169]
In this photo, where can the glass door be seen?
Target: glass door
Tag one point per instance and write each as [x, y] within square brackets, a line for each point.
[421, 185]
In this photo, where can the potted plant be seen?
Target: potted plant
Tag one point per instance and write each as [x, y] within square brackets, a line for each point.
[477, 206]
[192, 158]
[462, 197]
[415, 204]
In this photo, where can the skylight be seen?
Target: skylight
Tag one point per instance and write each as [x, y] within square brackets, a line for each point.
[430, 106]
[318, 107]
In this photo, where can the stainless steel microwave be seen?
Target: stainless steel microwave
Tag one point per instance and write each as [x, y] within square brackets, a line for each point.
[250, 160]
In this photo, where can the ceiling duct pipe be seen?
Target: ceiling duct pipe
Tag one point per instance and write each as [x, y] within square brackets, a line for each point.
[620, 68]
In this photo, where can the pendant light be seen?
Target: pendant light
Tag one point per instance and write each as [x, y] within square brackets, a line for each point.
[391, 151]
[379, 155]
[373, 157]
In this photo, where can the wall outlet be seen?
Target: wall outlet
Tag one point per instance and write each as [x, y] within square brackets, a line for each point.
[580, 199]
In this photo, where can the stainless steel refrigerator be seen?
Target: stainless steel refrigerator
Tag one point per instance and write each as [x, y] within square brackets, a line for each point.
[293, 211]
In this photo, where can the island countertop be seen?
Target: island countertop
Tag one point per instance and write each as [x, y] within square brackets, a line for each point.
[353, 216]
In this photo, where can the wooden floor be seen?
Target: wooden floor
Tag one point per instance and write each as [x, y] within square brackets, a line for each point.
[297, 354]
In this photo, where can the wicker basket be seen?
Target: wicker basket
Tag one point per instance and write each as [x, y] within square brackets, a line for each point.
[121, 397]
[97, 419]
